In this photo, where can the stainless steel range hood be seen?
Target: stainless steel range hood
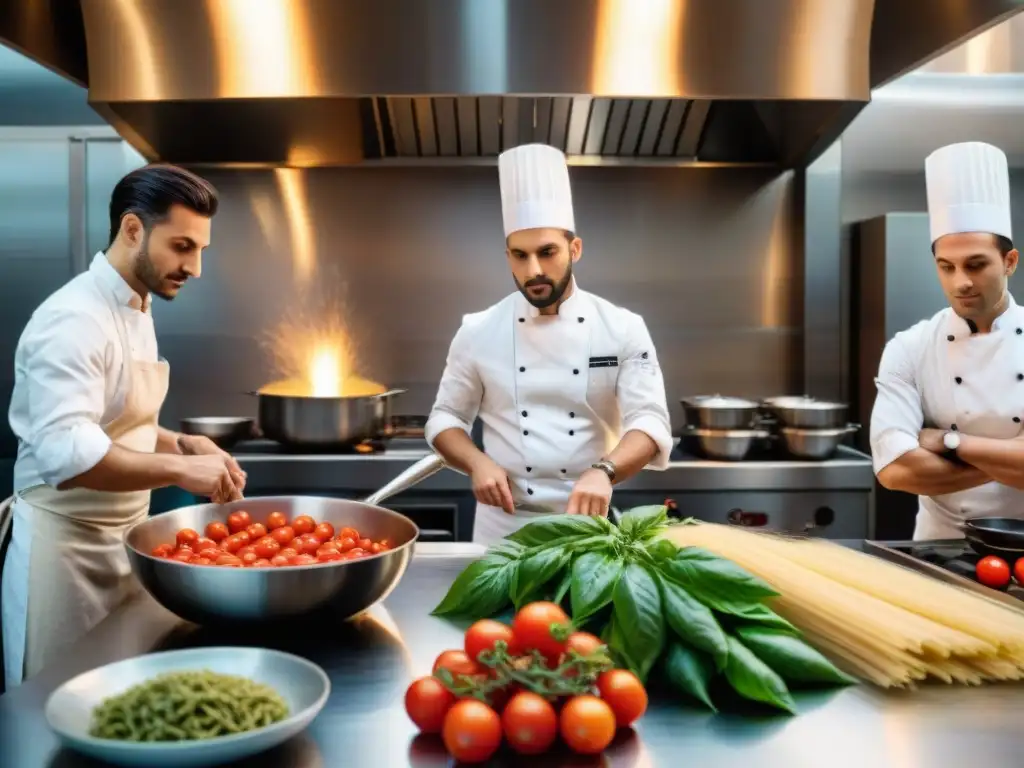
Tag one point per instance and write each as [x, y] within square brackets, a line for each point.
[329, 82]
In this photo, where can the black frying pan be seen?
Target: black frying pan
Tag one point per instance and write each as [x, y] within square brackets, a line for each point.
[1002, 534]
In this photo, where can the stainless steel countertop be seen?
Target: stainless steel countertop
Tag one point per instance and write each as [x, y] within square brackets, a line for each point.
[849, 470]
[372, 660]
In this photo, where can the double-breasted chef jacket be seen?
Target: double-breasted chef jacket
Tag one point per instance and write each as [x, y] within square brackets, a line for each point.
[555, 393]
[939, 374]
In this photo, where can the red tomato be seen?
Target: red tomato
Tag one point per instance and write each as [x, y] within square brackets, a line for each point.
[992, 571]
[307, 544]
[276, 520]
[530, 723]
[303, 559]
[328, 547]
[330, 556]
[163, 550]
[324, 532]
[201, 561]
[458, 663]
[266, 547]
[624, 693]
[249, 557]
[482, 636]
[256, 531]
[532, 628]
[1018, 570]
[245, 550]
[283, 534]
[471, 731]
[427, 701]
[187, 537]
[182, 555]
[375, 548]
[230, 560]
[232, 543]
[238, 521]
[279, 560]
[217, 531]
[349, 533]
[303, 524]
[583, 643]
[288, 552]
[587, 724]
[345, 543]
[355, 554]
[211, 553]
[364, 544]
[261, 563]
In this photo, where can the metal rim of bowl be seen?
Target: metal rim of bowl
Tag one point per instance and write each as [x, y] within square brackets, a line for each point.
[291, 568]
[182, 747]
[219, 420]
[822, 432]
[700, 401]
[729, 433]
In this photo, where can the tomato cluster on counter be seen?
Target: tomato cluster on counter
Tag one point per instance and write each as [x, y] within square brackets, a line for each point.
[241, 543]
[525, 685]
[993, 571]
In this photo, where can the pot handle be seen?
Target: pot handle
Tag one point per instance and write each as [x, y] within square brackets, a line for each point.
[389, 393]
[417, 473]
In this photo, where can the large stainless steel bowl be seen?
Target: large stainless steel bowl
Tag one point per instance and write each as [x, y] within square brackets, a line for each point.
[817, 444]
[727, 444]
[717, 412]
[801, 412]
[208, 594]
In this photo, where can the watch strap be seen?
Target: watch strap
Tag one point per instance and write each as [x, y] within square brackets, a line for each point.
[605, 466]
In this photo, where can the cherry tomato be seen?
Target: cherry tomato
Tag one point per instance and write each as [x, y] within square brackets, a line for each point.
[354, 554]
[283, 534]
[182, 555]
[162, 550]
[200, 561]
[245, 550]
[256, 531]
[364, 544]
[1018, 570]
[530, 723]
[217, 531]
[458, 663]
[288, 552]
[262, 563]
[482, 636]
[203, 542]
[279, 560]
[330, 556]
[587, 724]
[532, 628]
[249, 557]
[345, 543]
[427, 701]
[349, 533]
[266, 547]
[229, 560]
[187, 537]
[308, 544]
[238, 521]
[303, 524]
[624, 693]
[211, 553]
[324, 532]
[232, 543]
[992, 571]
[375, 548]
[303, 559]
[471, 731]
[328, 547]
[583, 643]
[276, 520]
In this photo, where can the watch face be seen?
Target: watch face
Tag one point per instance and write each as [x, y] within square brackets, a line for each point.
[951, 440]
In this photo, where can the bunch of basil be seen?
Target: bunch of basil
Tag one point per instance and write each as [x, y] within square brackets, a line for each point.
[652, 602]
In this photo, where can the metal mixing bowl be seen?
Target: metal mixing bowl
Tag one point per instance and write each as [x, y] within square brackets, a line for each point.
[717, 412]
[209, 594]
[727, 444]
[225, 431]
[815, 443]
[801, 412]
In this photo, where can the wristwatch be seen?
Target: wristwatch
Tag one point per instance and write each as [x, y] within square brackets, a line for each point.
[605, 466]
[951, 441]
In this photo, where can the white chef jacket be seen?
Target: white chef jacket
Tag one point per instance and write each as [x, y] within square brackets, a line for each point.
[938, 374]
[69, 374]
[555, 392]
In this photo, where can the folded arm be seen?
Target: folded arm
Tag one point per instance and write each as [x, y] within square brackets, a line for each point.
[901, 464]
[1000, 460]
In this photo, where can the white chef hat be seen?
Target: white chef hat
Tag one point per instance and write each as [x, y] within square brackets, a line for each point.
[535, 189]
[968, 190]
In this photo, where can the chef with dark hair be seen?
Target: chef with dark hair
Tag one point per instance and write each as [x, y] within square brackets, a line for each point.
[567, 385]
[946, 424]
[88, 388]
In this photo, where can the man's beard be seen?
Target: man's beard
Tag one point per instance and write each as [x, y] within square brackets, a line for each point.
[146, 272]
[557, 289]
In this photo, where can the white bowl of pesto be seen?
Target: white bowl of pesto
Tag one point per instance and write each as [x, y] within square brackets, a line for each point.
[282, 694]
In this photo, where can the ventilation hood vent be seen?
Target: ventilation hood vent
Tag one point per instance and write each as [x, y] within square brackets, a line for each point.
[333, 82]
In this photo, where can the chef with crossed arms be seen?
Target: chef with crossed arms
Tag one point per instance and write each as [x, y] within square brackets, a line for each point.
[946, 423]
[567, 385]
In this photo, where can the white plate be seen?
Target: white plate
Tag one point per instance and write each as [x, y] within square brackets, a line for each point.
[302, 684]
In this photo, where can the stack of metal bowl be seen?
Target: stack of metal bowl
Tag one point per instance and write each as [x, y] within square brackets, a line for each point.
[724, 428]
[809, 428]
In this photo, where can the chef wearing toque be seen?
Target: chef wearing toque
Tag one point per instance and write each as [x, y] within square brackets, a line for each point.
[567, 385]
[946, 424]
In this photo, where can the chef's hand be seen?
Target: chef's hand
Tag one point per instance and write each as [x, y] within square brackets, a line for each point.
[932, 440]
[591, 495]
[200, 445]
[490, 485]
[209, 475]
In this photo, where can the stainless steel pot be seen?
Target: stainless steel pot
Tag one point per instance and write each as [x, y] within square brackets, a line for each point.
[205, 594]
[815, 443]
[727, 444]
[717, 412]
[225, 431]
[324, 422]
[802, 412]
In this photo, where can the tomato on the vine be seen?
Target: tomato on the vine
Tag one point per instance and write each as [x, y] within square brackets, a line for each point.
[471, 731]
[427, 702]
[532, 627]
[530, 723]
[624, 693]
[583, 643]
[483, 635]
[587, 724]
[457, 663]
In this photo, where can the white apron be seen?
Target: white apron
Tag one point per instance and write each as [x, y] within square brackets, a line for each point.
[66, 568]
[988, 401]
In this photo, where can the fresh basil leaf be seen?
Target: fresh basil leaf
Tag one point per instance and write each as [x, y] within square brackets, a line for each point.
[534, 571]
[714, 580]
[661, 549]
[753, 679]
[560, 529]
[594, 576]
[638, 611]
[691, 672]
[643, 522]
[613, 637]
[693, 621]
[563, 587]
[505, 550]
[480, 590]
[756, 614]
[792, 658]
